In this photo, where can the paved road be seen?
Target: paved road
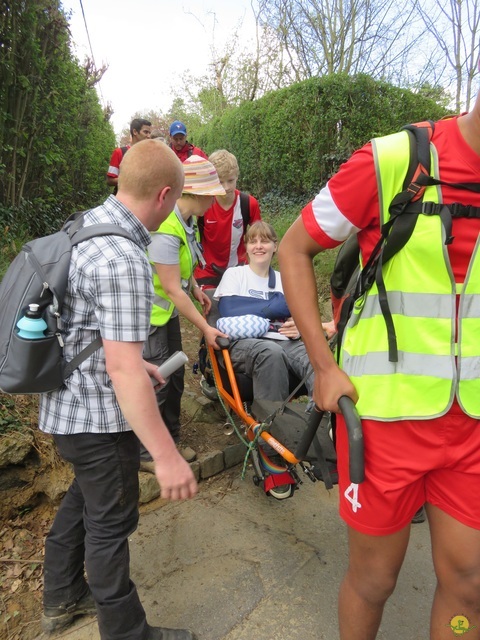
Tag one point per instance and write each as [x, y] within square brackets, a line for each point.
[233, 564]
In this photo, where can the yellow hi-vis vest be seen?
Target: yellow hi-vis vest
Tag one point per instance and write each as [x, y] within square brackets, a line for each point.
[432, 368]
[163, 307]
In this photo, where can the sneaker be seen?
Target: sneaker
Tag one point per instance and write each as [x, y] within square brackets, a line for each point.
[207, 390]
[148, 466]
[419, 516]
[187, 454]
[161, 633]
[57, 618]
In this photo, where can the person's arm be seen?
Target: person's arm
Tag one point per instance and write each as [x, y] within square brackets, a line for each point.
[296, 252]
[135, 395]
[170, 278]
[114, 168]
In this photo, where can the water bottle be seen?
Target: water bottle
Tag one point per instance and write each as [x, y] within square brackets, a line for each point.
[32, 326]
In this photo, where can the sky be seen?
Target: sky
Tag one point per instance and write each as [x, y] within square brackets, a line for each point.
[149, 44]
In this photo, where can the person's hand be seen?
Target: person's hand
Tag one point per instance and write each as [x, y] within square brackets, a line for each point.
[152, 370]
[175, 478]
[330, 385]
[211, 334]
[203, 299]
[289, 329]
[329, 328]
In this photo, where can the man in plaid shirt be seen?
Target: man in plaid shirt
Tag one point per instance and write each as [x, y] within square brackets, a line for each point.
[96, 416]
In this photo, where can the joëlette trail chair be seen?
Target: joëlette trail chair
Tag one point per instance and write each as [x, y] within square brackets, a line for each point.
[281, 436]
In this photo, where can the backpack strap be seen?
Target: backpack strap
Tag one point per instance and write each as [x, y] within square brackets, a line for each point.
[245, 209]
[404, 210]
[79, 234]
[73, 226]
[82, 356]
[101, 229]
[200, 226]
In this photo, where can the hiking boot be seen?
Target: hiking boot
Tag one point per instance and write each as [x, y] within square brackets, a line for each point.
[57, 618]
[207, 390]
[160, 633]
[419, 516]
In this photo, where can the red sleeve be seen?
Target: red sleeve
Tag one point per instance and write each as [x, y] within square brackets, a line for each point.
[348, 204]
[115, 160]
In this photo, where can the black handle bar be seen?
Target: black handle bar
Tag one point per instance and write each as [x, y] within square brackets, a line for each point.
[223, 343]
[355, 439]
[313, 423]
[354, 432]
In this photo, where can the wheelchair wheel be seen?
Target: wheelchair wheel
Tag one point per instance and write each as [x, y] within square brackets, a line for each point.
[281, 492]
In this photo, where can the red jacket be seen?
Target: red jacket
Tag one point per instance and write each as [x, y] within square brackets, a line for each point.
[188, 150]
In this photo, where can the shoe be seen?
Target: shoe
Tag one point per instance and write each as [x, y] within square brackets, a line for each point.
[160, 633]
[57, 618]
[148, 466]
[207, 390]
[187, 453]
[419, 516]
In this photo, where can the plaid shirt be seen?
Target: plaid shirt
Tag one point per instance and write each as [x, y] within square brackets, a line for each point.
[110, 292]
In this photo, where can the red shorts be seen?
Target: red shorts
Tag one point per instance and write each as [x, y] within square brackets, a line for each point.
[408, 463]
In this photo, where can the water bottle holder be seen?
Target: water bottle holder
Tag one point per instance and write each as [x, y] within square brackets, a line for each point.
[33, 366]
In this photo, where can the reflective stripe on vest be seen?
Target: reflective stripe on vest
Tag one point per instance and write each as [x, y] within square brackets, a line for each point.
[163, 307]
[422, 384]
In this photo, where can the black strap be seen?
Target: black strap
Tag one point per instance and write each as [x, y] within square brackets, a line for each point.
[272, 278]
[404, 210]
[79, 233]
[102, 229]
[209, 280]
[245, 209]
[82, 356]
[73, 225]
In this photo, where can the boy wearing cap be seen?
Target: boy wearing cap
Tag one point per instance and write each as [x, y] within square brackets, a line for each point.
[173, 253]
[179, 143]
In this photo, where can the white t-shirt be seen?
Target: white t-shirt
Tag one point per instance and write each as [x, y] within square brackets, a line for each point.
[242, 281]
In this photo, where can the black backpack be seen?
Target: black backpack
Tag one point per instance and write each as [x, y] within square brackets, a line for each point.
[39, 275]
[348, 282]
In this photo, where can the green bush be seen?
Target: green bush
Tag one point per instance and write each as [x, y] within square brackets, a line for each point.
[291, 141]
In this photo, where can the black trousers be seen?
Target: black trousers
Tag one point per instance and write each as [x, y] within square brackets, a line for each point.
[91, 529]
[161, 344]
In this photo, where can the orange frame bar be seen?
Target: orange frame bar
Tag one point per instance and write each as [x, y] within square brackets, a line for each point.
[234, 401]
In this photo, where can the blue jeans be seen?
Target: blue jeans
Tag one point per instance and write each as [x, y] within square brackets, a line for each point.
[91, 529]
